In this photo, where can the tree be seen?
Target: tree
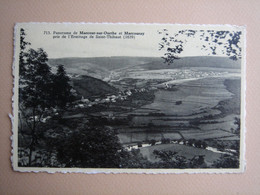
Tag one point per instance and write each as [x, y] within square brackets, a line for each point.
[198, 161]
[152, 142]
[134, 159]
[170, 159]
[226, 161]
[237, 122]
[34, 93]
[88, 146]
[22, 54]
[61, 88]
[212, 42]
[36, 90]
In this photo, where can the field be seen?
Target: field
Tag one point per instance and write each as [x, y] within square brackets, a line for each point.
[198, 98]
[186, 151]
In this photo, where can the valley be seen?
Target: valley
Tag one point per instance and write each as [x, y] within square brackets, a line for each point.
[147, 101]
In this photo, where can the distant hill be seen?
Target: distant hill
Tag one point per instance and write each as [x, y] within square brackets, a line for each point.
[101, 67]
[98, 67]
[198, 61]
[88, 87]
[91, 76]
[109, 63]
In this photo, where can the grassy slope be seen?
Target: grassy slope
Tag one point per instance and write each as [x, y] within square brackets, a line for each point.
[231, 106]
[89, 86]
[186, 151]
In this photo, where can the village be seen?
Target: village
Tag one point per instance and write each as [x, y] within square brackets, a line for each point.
[121, 96]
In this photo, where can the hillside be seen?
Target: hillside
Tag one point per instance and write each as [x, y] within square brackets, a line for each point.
[109, 63]
[89, 87]
[98, 67]
[199, 61]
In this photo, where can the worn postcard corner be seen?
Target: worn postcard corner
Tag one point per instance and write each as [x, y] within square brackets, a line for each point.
[128, 98]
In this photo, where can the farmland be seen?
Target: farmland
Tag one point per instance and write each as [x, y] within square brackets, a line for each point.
[196, 102]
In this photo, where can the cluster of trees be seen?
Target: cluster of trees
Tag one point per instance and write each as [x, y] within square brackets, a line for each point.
[170, 159]
[40, 91]
[227, 161]
[196, 143]
[89, 147]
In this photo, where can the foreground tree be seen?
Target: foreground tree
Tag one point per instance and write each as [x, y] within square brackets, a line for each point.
[22, 54]
[89, 147]
[226, 161]
[35, 94]
[36, 90]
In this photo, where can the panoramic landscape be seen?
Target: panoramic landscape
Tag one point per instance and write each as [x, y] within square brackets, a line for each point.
[129, 111]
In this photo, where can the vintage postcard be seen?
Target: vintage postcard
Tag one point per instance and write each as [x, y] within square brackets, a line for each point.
[128, 98]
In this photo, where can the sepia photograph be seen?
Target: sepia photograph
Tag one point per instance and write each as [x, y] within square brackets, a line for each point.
[128, 98]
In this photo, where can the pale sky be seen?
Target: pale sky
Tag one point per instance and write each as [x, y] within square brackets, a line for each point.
[147, 45]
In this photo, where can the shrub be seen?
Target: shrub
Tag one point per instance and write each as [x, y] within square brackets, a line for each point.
[165, 140]
[152, 142]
